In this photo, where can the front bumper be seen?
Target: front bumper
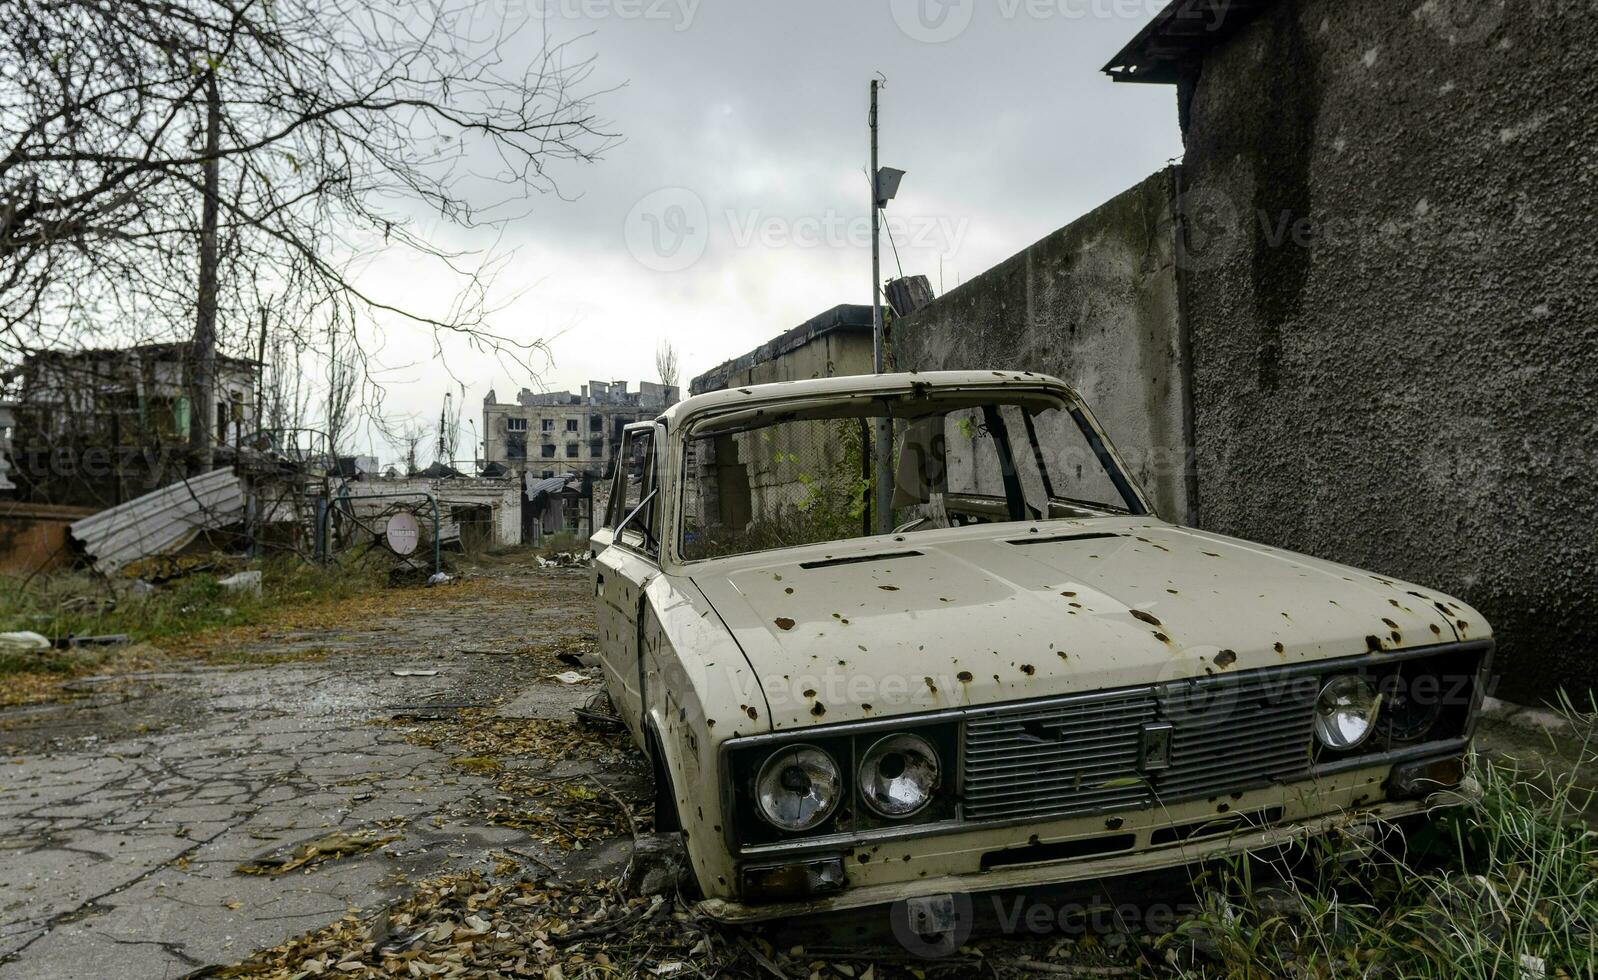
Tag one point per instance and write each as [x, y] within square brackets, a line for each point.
[954, 864]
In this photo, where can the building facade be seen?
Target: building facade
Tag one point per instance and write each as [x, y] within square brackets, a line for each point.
[551, 434]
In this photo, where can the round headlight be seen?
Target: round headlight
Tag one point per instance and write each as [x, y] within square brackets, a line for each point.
[1345, 712]
[898, 775]
[798, 788]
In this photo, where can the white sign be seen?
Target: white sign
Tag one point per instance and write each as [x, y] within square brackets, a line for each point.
[403, 534]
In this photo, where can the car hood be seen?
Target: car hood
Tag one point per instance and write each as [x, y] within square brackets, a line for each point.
[941, 619]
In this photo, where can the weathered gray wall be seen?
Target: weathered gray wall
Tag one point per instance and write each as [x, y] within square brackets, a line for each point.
[1095, 304]
[1412, 390]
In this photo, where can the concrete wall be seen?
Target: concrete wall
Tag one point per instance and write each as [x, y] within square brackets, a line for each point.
[837, 342]
[1095, 304]
[1405, 380]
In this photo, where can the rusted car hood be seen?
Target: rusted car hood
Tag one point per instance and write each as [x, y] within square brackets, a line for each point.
[987, 615]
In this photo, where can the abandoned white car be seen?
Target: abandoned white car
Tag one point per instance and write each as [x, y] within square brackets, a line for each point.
[1033, 679]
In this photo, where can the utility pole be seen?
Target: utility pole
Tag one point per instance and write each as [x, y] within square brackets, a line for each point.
[884, 428]
[202, 352]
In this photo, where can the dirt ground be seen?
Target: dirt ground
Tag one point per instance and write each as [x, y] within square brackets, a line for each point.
[127, 812]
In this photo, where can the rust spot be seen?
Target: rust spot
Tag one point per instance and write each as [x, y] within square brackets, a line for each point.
[1280, 648]
[1162, 637]
[964, 676]
[1374, 643]
[1064, 655]
[818, 709]
[776, 578]
[1076, 605]
[1173, 592]
[931, 686]
[1464, 627]
[1398, 638]
[1069, 595]
[1028, 669]
[888, 588]
[810, 694]
[1225, 658]
[1390, 624]
[1146, 617]
[1209, 554]
[784, 623]
[710, 723]
[1114, 823]
[752, 713]
[1437, 630]
[865, 707]
[789, 590]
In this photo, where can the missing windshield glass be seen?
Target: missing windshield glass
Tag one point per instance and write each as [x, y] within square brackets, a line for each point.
[755, 482]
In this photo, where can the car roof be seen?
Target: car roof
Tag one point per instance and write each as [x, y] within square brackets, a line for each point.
[850, 384]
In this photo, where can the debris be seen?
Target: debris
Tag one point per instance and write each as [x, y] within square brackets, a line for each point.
[24, 642]
[599, 713]
[334, 845]
[246, 582]
[414, 673]
[563, 559]
[161, 522]
[109, 640]
[579, 660]
[138, 589]
[439, 578]
[571, 677]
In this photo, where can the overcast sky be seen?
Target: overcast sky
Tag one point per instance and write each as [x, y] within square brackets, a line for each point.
[737, 205]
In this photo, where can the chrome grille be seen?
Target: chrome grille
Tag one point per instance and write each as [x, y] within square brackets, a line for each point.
[1056, 758]
[1082, 754]
[1235, 734]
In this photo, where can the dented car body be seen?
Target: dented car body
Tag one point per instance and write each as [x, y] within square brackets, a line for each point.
[1033, 679]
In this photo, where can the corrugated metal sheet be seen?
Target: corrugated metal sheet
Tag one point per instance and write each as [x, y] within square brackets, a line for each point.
[554, 484]
[161, 522]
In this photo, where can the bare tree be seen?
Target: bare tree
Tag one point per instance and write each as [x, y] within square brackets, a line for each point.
[184, 164]
[341, 385]
[666, 363]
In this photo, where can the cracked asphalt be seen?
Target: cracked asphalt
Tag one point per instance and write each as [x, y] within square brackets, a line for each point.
[124, 814]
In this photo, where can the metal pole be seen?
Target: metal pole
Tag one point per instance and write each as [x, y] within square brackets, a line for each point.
[884, 430]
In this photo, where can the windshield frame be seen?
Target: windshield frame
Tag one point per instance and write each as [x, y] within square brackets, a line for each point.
[688, 428]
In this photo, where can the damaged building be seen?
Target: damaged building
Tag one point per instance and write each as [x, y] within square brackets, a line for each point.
[551, 434]
[95, 428]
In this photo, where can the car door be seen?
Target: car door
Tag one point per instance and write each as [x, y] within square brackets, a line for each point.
[628, 562]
